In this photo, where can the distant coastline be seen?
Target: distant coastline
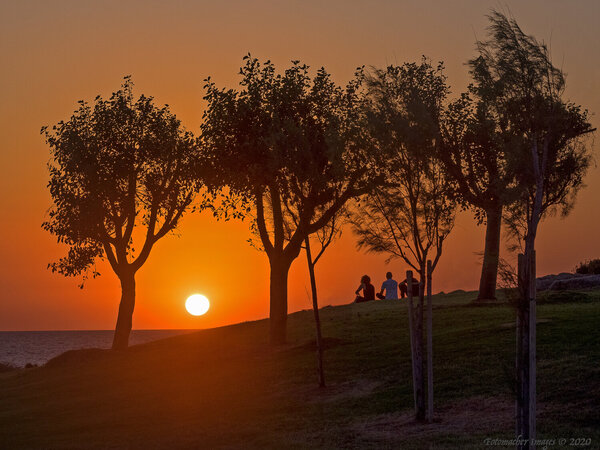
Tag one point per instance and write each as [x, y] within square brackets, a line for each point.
[19, 348]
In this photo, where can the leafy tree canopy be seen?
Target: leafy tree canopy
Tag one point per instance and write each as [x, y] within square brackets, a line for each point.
[290, 147]
[115, 164]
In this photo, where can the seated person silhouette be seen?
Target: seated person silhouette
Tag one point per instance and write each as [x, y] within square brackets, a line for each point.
[367, 289]
[390, 287]
[404, 287]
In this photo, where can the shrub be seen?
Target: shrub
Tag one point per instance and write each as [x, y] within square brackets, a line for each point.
[589, 267]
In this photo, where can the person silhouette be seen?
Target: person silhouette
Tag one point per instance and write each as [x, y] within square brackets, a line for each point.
[367, 289]
[390, 287]
[404, 287]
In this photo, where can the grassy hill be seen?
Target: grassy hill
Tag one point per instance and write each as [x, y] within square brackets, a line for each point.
[226, 388]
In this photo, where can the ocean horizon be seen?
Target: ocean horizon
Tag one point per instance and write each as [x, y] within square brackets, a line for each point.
[19, 348]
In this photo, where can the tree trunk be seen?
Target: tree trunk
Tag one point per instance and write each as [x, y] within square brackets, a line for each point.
[429, 346]
[124, 319]
[415, 324]
[526, 353]
[419, 350]
[411, 333]
[526, 312]
[315, 303]
[278, 300]
[491, 255]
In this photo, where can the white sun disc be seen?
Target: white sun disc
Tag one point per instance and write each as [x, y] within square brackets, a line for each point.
[197, 304]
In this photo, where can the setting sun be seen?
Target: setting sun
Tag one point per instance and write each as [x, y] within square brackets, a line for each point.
[197, 304]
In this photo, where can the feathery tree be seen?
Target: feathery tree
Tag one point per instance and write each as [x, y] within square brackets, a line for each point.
[120, 169]
[292, 149]
[551, 158]
[411, 216]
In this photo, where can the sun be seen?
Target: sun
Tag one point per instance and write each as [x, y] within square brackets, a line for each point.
[197, 304]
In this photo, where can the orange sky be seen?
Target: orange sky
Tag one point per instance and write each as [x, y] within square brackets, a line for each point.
[55, 53]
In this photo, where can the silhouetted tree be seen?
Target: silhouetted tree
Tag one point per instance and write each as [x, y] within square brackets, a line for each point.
[552, 159]
[292, 149]
[476, 154]
[412, 215]
[120, 168]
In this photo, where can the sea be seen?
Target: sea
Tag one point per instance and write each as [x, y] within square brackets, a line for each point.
[19, 348]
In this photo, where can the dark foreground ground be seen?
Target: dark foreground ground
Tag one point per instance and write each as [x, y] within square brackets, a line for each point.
[226, 388]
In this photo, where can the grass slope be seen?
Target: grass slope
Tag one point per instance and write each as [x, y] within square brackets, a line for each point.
[225, 388]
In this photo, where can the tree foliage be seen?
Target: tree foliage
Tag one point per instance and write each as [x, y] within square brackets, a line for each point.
[290, 144]
[476, 151]
[413, 213]
[546, 132]
[115, 164]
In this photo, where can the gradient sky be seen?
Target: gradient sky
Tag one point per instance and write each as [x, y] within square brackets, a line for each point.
[55, 53]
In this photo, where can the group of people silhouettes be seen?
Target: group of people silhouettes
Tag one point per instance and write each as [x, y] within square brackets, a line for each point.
[389, 286]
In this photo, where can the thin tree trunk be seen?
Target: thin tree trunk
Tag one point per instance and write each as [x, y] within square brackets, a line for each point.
[526, 311]
[429, 346]
[491, 255]
[419, 350]
[411, 328]
[278, 300]
[125, 316]
[315, 304]
[532, 348]
[526, 353]
[522, 403]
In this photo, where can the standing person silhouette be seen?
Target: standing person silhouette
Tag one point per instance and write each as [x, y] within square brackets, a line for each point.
[390, 287]
[367, 289]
